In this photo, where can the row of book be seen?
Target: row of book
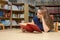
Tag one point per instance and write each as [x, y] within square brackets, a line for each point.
[21, 15]
[5, 0]
[48, 2]
[31, 2]
[5, 14]
[14, 7]
[13, 23]
[8, 22]
[52, 9]
[17, 15]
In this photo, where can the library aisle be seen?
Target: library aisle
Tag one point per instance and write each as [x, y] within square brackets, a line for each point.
[16, 34]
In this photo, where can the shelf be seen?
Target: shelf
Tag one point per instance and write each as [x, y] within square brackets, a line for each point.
[30, 17]
[17, 11]
[12, 10]
[18, 18]
[5, 9]
[5, 2]
[48, 5]
[32, 11]
[31, 6]
[18, 4]
[4, 18]
[54, 13]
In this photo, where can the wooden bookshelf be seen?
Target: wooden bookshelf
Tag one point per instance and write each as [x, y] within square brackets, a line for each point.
[48, 5]
[18, 18]
[24, 11]
[18, 4]
[18, 11]
[31, 6]
[4, 2]
[5, 11]
[4, 18]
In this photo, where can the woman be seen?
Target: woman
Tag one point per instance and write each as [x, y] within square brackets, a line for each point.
[47, 21]
[35, 25]
[41, 22]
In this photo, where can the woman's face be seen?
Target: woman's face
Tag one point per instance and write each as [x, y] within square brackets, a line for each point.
[39, 13]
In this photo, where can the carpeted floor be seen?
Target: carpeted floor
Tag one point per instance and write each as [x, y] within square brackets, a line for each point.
[16, 34]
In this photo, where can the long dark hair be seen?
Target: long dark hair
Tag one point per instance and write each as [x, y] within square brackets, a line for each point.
[47, 18]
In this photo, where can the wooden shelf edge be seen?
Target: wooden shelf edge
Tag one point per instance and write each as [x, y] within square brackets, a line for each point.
[5, 9]
[30, 17]
[31, 11]
[48, 5]
[32, 6]
[17, 10]
[17, 18]
[5, 2]
[18, 4]
[4, 18]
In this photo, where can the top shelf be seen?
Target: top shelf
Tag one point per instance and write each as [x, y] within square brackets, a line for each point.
[18, 4]
[48, 5]
[5, 2]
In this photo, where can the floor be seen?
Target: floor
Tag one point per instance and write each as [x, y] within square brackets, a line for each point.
[17, 34]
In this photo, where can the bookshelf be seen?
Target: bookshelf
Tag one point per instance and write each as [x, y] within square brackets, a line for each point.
[25, 12]
[17, 12]
[14, 13]
[5, 12]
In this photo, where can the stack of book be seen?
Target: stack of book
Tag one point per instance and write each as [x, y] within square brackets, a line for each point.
[20, 8]
[14, 7]
[17, 15]
[21, 15]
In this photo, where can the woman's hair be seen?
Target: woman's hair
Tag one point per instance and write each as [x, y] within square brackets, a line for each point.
[47, 18]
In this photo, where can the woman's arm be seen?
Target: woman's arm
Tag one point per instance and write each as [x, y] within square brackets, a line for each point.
[45, 27]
